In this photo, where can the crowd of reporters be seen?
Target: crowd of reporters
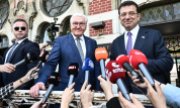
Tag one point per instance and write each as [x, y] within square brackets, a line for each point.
[160, 94]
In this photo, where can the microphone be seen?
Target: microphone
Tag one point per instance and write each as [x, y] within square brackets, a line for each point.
[123, 61]
[138, 60]
[116, 75]
[101, 54]
[72, 71]
[47, 94]
[42, 58]
[25, 60]
[87, 66]
[136, 52]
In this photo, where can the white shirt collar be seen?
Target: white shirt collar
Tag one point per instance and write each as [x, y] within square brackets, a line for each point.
[134, 31]
[81, 37]
[20, 41]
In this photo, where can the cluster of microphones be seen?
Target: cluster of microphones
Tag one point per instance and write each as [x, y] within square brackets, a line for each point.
[116, 69]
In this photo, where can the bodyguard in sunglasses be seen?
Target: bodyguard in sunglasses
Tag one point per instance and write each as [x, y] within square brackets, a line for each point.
[17, 52]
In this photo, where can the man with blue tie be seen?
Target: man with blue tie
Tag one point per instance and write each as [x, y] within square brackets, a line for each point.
[17, 52]
[149, 41]
[73, 47]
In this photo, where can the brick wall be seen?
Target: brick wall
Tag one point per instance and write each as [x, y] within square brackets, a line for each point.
[97, 7]
[104, 31]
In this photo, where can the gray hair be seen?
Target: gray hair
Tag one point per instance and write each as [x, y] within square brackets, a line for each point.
[80, 15]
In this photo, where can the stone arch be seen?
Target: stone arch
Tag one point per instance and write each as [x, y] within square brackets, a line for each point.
[41, 32]
[65, 25]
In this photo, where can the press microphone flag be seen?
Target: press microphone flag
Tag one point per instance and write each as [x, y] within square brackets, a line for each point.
[73, 72]
[87, 67]
[101, 54]
[139, 61]
[116, 74]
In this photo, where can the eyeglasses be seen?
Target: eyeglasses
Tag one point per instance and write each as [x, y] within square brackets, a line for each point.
[78, 23]
[19, 28]
[130, 14]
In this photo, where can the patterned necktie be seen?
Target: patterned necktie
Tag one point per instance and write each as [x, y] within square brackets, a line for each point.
[10, 52]
[80, 49]
[129, 42]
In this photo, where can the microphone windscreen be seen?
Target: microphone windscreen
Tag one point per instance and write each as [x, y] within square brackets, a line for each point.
[114, 71]
[135, 60]
[88, 65]
[135, 52]
[101, 53]
[73, 69]
[121, 59]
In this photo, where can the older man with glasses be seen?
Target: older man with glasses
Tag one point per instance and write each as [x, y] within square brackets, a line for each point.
[73, 47]
[17, 52]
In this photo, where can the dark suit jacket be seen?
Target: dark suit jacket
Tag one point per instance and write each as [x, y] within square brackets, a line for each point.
[113, 103]
[151, 43]
[20, 53]
[65, 52]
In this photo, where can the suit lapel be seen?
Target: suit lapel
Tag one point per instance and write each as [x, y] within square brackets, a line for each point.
[88, 46]
[73, 46]
[17, 49]
[123, 45]
[140, 41]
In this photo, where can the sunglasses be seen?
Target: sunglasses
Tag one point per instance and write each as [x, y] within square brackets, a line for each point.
[19, 28]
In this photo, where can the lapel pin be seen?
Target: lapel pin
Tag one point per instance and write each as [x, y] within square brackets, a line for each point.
[143, 37]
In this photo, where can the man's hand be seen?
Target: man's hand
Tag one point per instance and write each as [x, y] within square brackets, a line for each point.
[107, 87]
[127, 104]
[34, 91]
[157, 98]
[7, 67]
[86, 95]
[67, 96]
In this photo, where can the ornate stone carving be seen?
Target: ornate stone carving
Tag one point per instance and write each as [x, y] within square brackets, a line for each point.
[4, 12]
[24, 9]
[55, 8]
[20, 4]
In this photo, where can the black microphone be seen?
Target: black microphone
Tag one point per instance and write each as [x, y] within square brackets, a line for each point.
[47, 94]
[73, 72]
[123, 60]
[42, 58]
[25, 60]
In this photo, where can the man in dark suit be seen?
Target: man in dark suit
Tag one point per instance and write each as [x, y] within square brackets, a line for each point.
[18, 52]
[64, 52]
[149, 41]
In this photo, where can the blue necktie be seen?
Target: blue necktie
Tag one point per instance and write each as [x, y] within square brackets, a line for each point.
[129, 42]
[11, 50]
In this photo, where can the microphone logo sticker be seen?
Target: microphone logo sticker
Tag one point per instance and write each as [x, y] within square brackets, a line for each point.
[71, 67]
[117, 70]
[91, 64]
[143, 37]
